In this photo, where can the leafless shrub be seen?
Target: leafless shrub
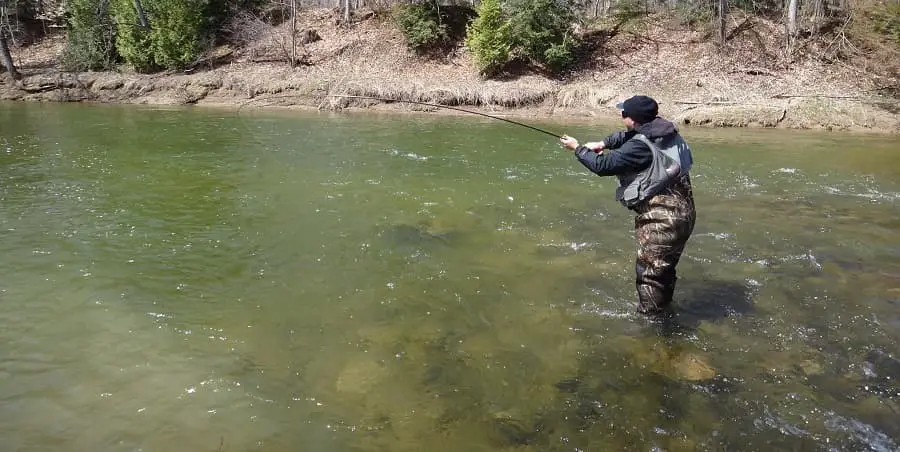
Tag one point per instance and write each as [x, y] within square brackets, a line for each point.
[263, 41]
[246, 29]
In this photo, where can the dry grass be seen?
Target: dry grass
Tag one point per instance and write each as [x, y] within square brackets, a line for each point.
[586, 95]
[519, 95]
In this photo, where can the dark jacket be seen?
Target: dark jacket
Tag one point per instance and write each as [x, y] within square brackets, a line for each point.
[622, 154]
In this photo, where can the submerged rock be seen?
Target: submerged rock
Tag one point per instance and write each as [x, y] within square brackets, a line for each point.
[360, 376]
[810, 367]
[452, 223]
[407, 234]
[692, 367]
[668, 361]
[511, 431]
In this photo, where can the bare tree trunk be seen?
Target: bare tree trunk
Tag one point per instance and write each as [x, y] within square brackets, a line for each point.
[293, 33]
[7, 58]
[791, 25]
[722, 20]
[817, 14]
[792, 18]
[5, 55]
[347, 11]
[142, 17]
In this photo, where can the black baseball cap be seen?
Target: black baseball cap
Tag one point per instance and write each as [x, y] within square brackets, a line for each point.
[641, 109]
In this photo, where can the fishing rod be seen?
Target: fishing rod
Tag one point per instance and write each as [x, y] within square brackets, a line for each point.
[430, 105]
[451, 108]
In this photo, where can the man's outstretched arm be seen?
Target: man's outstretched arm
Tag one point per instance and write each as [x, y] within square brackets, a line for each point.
[631, 158]
[613, 141]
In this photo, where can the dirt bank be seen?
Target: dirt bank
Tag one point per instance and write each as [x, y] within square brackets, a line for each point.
[745, 85]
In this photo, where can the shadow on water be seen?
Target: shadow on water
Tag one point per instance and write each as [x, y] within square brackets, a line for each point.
[700, 300]
[697, 299]
[402, 236]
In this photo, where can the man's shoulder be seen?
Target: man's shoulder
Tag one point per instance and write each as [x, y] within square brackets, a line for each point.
[664, 141]
[635, 143]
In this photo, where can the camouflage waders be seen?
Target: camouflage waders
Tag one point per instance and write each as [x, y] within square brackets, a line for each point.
[662, 227]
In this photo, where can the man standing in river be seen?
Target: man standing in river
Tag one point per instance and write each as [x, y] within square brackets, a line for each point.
[658, 190]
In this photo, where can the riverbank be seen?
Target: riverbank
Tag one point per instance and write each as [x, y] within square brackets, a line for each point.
[747, 84]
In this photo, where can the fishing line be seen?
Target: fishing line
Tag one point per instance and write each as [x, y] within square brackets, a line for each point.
[451, 108]
[437, 106]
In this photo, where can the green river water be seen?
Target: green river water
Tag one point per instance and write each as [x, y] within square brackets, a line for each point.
[200, 280]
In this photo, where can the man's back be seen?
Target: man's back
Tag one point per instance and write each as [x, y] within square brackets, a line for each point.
[626, 155]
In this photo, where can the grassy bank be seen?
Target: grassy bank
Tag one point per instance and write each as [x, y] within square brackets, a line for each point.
[748, 83]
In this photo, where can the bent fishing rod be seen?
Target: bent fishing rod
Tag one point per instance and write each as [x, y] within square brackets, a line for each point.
[447, 107]
[451, 108]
